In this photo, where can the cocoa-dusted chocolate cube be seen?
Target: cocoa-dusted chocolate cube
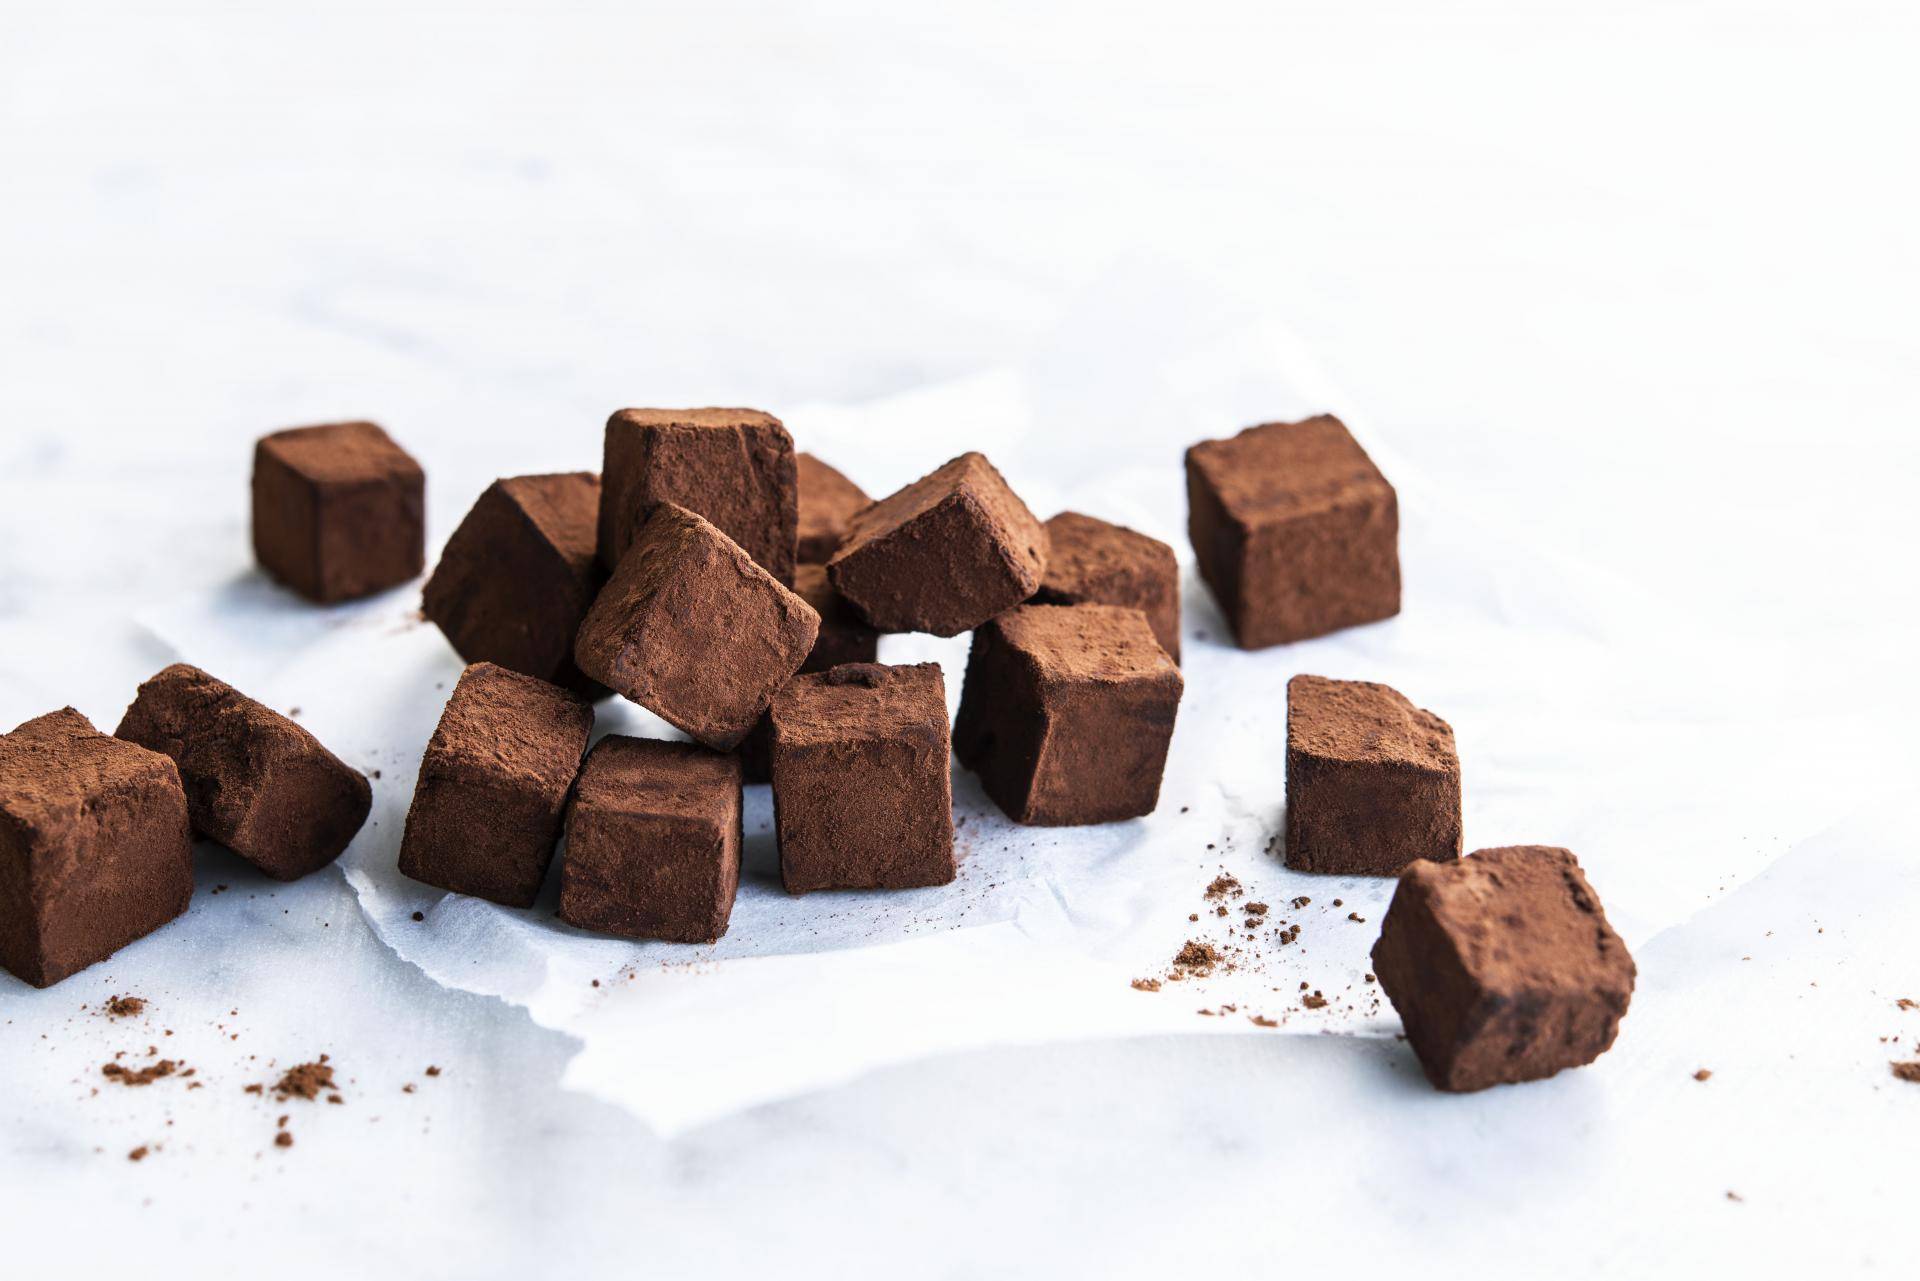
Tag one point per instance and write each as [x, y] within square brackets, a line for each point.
[692, 630]
[519, 574]
[735, 467]
[828, 504]
[844, 638]
[944, 554]
[493, 786]
[338, 510]
[1373, 782]
[1502, 966]
[653, 841]
[1067, 713]
[1093, 562]
[862, 790]
[1295, 530]
[95, 849]
[256, 782]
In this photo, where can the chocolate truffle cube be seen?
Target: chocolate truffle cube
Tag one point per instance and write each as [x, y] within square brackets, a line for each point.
[1372, 781]
[844, 638]
[256, 782]
[944, 554]
[1067, 713]
[862, 790]
[1295, 529]
[519, 575]
[733, 466]
[94, 846]
[691, 629]
[653, 841]
[1092, 562]
[338, 511]
[1502, 966]
[828, 503]
[493, 786]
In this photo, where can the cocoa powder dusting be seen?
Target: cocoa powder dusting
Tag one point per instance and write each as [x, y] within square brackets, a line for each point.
[306, 1081]
[1909, 1071]
[124, 1007]
[139, 1076]
[1146, 985]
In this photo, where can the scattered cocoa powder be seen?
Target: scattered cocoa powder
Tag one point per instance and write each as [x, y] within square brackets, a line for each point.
[138, 1154]
[306, 1081]
[284, 1139]
[1904, 1004]
[1261, 1020]
[1221, 887]
[1197, 958]
[139, 1076]
[1704, 1074]
[1255, 909]
[1146, 985]
[124, 1007]
[1314, 1001]
[1301, 902]
[1908, 1071]
[433, 1071]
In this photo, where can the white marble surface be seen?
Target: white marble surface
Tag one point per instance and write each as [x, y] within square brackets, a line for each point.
[1623, 302]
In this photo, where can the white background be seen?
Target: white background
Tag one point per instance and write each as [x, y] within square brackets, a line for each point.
[1622, 297]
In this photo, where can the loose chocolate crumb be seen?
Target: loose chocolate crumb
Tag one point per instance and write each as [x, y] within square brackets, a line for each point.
[306, 1081]
[1355, 916]
[1261, 1020]
[433, 1071]
[1301, 902]
[1314, 1001]
[1703, 1074]
[1904, 1004]
[1255, 909]
[138, 1154]
[419, 916]
[1908, 1071]
[1734, 1196]
[284, 1139]
[139, 1076]
[1222, 886]
[124, 1007]
[1193, 916]
[1146, 985]
[1197, 958]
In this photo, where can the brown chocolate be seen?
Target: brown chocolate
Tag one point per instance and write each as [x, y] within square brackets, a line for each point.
[844, 638]
[95, 849]
[828, 504]
[493, 786]
[1092, 562]
[1373, 782]
[1502, 966]
[256, 781]
[735, 467]
[519, 574]
[862, 790]
[338, 510]
[653, 841]
[1295, 530]
[691, 629]
[1067, 713]
[944, 554]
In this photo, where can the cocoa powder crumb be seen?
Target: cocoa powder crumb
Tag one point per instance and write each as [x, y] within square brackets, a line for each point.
[433, 1071]
[1146, 985]
[1261, 1020]
[139, 1076]
[1255, 909]
[306, 1081]
[1197, 957]
[1314, 1001]
[1301, 902]
[284, 1139]
[1355, 916]
[1703, 1074]
[1222, 886]
[1904, 1004]
[419, 916]
[138, 1154]
[124, 1007]
[1908, 1071]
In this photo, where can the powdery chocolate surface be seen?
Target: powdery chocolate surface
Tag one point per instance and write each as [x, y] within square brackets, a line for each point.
[338, 510]
[828, 504]
[862, 789]
[1094, 562]
[735, 467]
[1067, 713]
[519, 574]
[944, 554]
[844, 638]
[1373, 782]
[1295, 530]
[693, 630]
[653, 841]
[95, 847]
[256, 781]
[493, 786]
[1502, 966]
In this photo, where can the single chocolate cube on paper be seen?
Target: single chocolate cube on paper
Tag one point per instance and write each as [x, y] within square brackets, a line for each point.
[1093, 562]
[844, 638]
[828, 504]
[493, 786]
[944, 554]
[519, 574]
[1067, 713]
[256, 781]
[735, 467]
[1295, 530]
[95, 849]
[692, 630]
[1502, 966]
[653, 841]
[1373, 782]
[338, 510]
[862, 788]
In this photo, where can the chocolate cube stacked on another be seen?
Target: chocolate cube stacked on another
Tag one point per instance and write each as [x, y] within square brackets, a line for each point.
[493, 786]
[653, 841]
[1296, 531]
[862, 788]
[256, 782]
[828, 504]
[1067, 713]
[1094, 562]
[95, 848]
[338, 510]
[519, 574]
[1502, 966]
[844, 638]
